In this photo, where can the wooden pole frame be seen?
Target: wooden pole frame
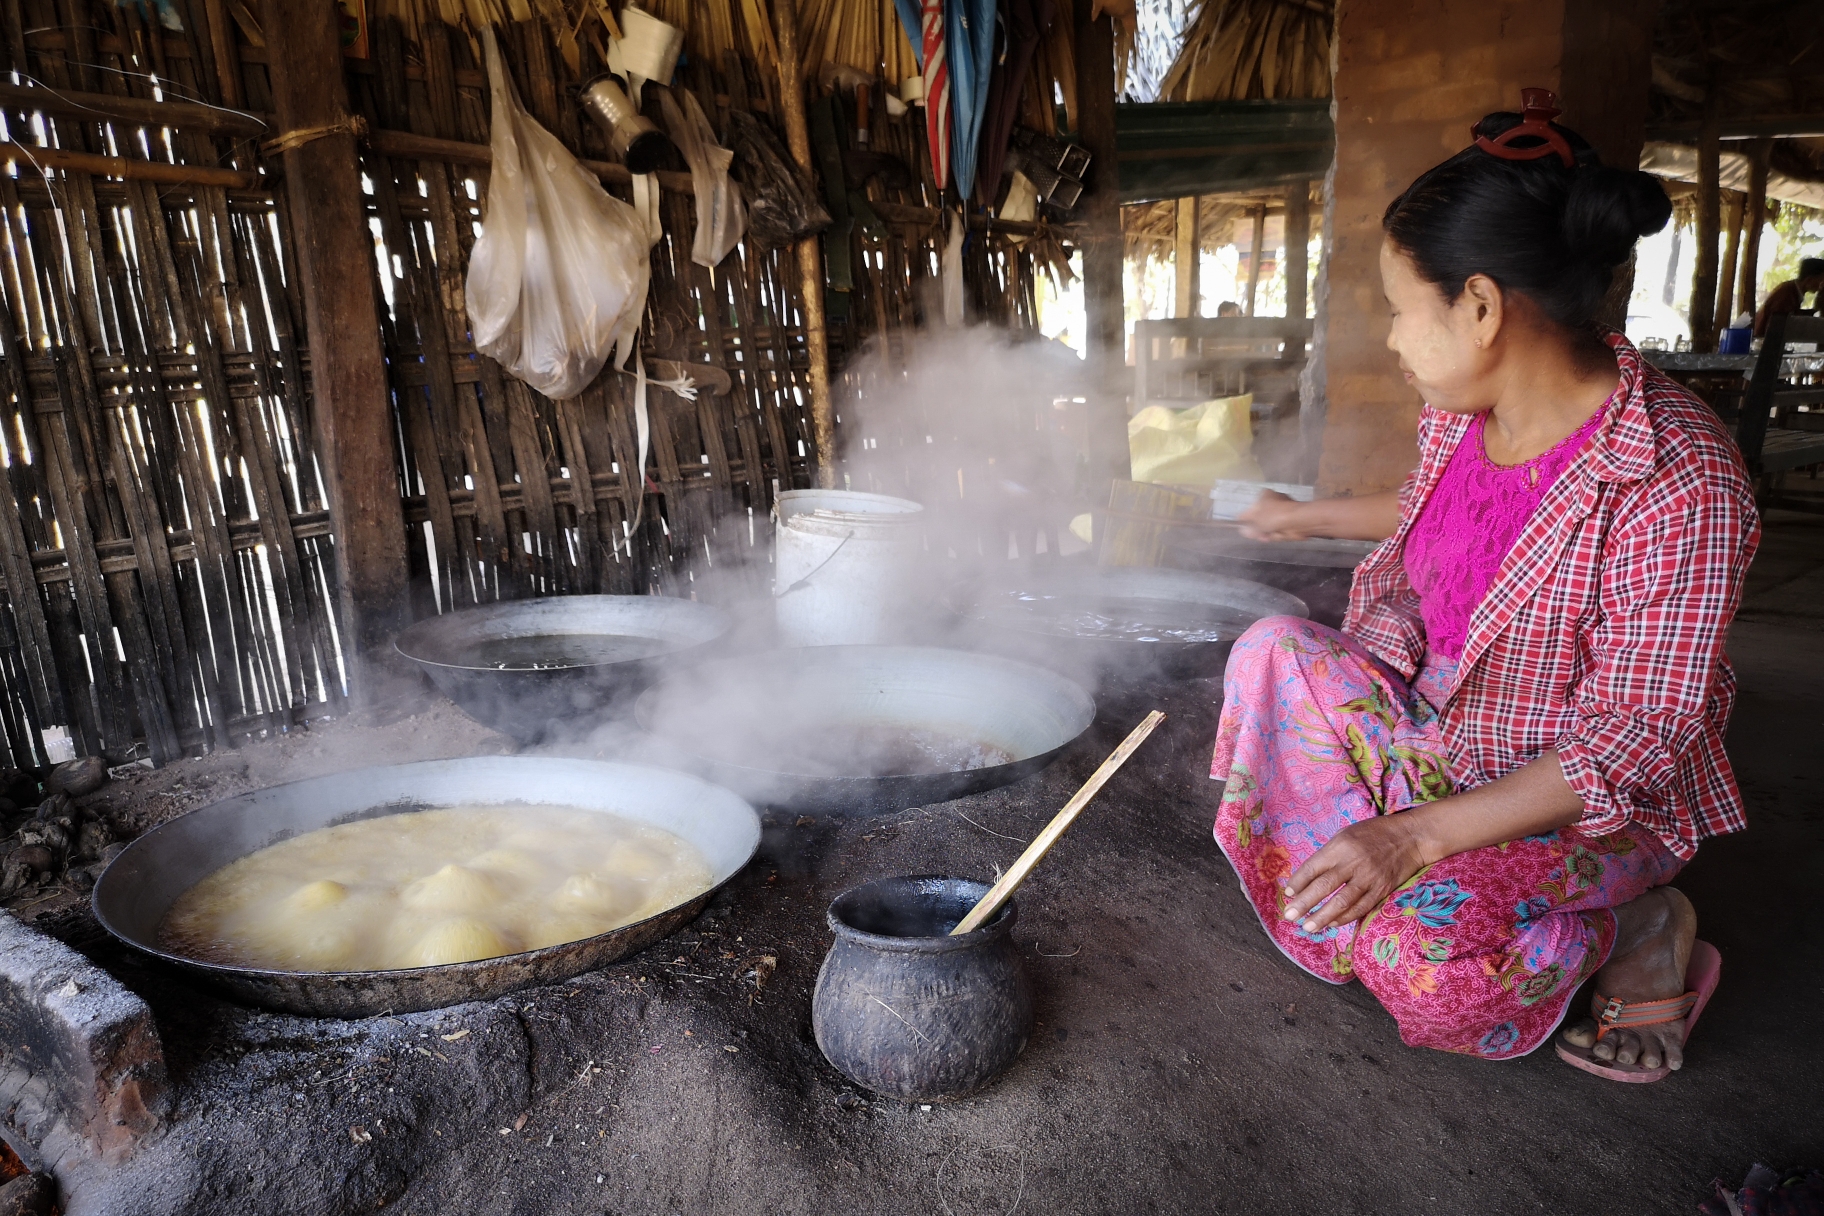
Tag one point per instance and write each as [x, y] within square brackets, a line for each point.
[353, 404]
[1186, 254]
[1254, 260]
[810, 257]
[1104, 249]
[29, 157]
[1298, 248]
[1754, 218]
[1732, 211]
[1709, 183]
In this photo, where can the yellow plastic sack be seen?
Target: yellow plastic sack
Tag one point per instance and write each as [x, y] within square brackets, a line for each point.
[1196, 447]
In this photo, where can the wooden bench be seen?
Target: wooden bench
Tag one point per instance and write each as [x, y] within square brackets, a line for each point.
[1187, 360]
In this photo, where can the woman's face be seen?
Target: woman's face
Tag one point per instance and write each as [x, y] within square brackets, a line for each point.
[1436, 340]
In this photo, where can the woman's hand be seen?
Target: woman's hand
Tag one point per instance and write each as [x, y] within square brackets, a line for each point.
[1274, 516]
[1361, 517]
[1362, 865]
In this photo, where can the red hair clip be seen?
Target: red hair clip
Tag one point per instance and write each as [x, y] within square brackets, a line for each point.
[1538, 108]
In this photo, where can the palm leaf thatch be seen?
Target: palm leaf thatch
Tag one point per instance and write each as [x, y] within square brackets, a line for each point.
[1236, 50]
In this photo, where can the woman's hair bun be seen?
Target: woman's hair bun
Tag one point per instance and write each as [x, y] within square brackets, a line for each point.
[1607, 210]
[1550, 231]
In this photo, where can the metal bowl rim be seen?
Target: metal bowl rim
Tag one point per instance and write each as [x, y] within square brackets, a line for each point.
[642, 712]
[960, 595]
[403, 973]
[431, 624]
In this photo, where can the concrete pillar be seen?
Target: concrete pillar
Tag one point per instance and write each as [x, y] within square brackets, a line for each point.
[1412, 75]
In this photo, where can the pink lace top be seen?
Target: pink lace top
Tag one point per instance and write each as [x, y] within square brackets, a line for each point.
[1471, 520]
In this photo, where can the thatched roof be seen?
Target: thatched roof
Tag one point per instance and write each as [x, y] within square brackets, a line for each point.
[1235, 50]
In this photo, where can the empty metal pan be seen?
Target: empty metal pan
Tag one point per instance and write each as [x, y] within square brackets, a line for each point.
[863, 729]
[136, 892]
[1115, 622]
[536, 669]
[1318, 571]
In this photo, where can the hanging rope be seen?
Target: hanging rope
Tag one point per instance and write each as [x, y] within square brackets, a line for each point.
[354, 125]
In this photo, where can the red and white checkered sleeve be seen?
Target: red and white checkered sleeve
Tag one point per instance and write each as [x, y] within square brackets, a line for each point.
[1671, 580]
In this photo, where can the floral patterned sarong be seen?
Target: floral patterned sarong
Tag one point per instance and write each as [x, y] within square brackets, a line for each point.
[1479, 953]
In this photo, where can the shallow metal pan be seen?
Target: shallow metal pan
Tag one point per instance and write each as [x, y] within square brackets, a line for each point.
[1318, 571]
[708, 720]
[535, 704]
[136, 892]
[1100, 659]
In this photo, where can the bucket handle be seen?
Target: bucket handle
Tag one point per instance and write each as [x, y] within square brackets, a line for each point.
[805, 581]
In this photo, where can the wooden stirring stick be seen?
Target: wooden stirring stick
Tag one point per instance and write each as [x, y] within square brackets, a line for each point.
[1041, 844]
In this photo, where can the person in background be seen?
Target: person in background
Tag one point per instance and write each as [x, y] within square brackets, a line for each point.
[1472, 797]
[1789, 297]
[1228, 308]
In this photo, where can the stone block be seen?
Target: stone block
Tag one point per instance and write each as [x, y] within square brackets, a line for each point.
[82, 1071]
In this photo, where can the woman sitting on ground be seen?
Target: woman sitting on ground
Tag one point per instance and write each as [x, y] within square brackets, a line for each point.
[1531, 671]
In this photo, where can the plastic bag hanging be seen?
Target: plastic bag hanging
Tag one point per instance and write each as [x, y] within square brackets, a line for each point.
[721, 219]
[783, 207]
[557, 279]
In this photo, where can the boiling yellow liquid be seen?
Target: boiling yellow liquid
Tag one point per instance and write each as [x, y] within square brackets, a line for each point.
[430, 887]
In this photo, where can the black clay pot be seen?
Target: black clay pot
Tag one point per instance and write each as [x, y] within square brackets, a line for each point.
[909, 1012]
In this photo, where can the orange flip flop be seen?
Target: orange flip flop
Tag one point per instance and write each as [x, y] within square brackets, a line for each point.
[1701, 976]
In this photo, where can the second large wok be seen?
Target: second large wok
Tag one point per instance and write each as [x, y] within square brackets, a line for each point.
[750, 723]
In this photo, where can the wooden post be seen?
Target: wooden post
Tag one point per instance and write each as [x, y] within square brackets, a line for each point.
[1298, 247]
[810, 257]
[1105, 350]
[1732, 243]
[1703, 283]
[1186, 252]
[1754, 218]
[354, 416]
[1254, 251]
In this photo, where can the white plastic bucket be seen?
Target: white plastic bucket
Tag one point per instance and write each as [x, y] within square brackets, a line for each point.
[846, 564]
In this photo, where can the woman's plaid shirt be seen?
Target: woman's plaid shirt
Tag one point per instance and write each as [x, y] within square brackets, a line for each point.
[1602, 634]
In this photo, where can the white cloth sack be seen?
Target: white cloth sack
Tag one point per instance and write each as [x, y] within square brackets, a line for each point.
[559, 274]
[721, 219]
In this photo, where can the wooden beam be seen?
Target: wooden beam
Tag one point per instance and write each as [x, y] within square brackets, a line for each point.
[1732, 243]
[1105, 346]
[810, 257]
[353, 408]
[106, 107]
[125, 169]
[1254, 260]
[1777, 126]
[1703, 282]
[1187, 252]
[410, 146]
[930, 217]
[1754, 218]
[1298, 247]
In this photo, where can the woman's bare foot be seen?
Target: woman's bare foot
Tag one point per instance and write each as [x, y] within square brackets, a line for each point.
[1653, 937]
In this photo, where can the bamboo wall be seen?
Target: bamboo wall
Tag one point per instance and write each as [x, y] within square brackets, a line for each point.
[163, 501]
[165, 550]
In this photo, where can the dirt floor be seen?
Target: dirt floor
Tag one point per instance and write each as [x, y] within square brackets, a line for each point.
[1180, 1063]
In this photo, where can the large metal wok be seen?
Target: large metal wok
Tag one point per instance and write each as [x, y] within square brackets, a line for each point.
[568, 691]
[136, 892]
[1318, 571]
[1114, 622]
[751, 723]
